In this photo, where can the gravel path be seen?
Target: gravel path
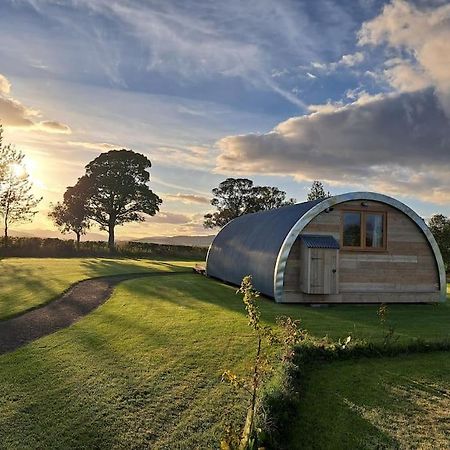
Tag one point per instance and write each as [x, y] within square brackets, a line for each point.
[78, 301]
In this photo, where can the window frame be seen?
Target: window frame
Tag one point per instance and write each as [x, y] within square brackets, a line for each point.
[362, 247]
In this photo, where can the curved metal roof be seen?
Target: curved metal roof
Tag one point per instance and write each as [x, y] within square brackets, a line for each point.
[259, 243]
[250, 244]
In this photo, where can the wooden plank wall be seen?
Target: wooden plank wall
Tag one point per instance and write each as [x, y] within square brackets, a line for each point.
[405, 272]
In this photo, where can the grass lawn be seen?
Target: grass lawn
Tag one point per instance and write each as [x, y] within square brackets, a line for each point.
[144, 369]
[387, 403]
[29, 282]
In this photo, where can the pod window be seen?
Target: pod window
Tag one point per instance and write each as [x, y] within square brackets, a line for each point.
[364, 230]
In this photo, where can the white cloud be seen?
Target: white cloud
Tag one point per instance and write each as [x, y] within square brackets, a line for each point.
[188, 41]
[346, 61]
[424, 35]
[404, 76]
[394, 143]
[352, 59]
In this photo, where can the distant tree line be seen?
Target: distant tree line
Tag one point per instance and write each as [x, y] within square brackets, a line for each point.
[53, 248]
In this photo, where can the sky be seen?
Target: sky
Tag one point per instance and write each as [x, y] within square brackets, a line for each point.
[354, 93]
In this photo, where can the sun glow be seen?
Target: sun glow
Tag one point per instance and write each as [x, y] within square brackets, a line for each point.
[18, 170]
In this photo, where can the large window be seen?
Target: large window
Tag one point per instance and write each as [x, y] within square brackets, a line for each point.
[364, 230]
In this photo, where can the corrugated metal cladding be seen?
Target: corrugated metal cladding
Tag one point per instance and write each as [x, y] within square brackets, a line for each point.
[317, 241]
[249, 245]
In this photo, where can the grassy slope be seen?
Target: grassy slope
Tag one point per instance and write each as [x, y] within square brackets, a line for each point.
[144, 369]
[28, 282]
[401, 402]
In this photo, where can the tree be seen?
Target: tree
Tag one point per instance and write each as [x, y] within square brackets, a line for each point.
[16, 199]
[440, 227]
[268, 197]
[116, 190]
[317, 191]
[237, 196]
[72, 214]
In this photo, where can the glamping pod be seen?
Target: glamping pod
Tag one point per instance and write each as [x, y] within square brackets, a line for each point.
[360, 247]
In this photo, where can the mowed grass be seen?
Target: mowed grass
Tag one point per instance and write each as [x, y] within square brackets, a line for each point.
[144, 371]
[386, 403]
[29, 282]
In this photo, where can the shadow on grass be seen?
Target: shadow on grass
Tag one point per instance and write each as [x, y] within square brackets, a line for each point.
[337, 321]
[142, 370]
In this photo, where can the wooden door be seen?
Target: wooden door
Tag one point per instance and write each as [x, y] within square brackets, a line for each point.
[323, 271]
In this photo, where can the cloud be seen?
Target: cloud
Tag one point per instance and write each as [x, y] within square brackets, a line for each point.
[347, 60]
[51, 126]
[233, 42]
[96, 146]
[352, 59]
[14, 114]
[170, 217]
[190, 156]
[395, 143]
[404, 77]
[5, 85]
[188, 198]
[423, 35]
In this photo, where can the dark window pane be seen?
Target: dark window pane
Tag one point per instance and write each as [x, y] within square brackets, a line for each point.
[352, 229]
[374, 230]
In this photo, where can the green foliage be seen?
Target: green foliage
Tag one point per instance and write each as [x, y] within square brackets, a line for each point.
[115, 189]
[237, 196]
[17, 202]
[440, 227]
[317, 191]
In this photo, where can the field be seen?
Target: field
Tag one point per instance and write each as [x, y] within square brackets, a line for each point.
[144, 369]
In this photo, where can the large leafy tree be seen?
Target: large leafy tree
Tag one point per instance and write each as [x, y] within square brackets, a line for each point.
[17, 202]
[116, 190]
[237, 196]
[440, 227]
[317, 191]
[71, 215]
